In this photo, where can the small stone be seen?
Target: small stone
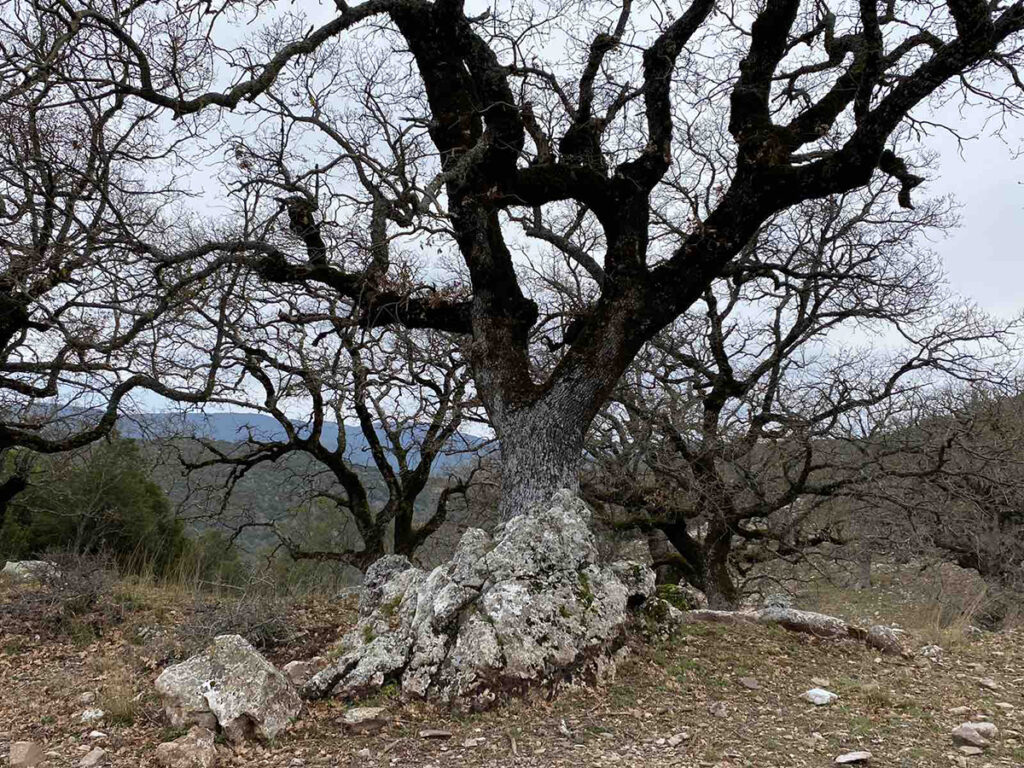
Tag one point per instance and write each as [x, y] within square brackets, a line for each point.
[435, 733]
[972, 751]
[364, 719]
[87, 698]
[97, 735]
[821, 682]
[959, 710]
[969, 735]
[25, 754]
[96, 756]
[854, 757]
[819, 697]
[92, 715]
[1004, 705]
[989, 684]
[471, 743]
[750, 683]
[364, 753]
[193, 750]
[719, 709]
[679, 738]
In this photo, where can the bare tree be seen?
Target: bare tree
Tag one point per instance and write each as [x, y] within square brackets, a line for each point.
[580, 110]
[408, 392]
[85, 179]
[755, 426]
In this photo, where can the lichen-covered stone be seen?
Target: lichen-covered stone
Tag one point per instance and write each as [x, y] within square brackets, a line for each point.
[530, 605]
[247, 695]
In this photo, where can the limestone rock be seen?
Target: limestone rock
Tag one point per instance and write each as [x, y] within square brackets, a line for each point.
[750, 683]
[193, 750]
[25, 754]
[28, 571]
[819, 697]
[531, 605]
[246, 695]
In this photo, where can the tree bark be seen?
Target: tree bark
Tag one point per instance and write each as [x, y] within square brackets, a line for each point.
[541, 452]
[718, 583]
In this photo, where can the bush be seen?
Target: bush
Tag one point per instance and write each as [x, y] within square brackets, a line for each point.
[98, 499]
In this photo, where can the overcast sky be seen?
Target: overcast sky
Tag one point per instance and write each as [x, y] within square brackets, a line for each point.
[983, 256]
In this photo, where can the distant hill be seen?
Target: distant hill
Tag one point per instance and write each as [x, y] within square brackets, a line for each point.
[236, 428]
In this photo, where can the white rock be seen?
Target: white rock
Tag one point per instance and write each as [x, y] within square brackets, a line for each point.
[92, 715]
[97, 735]
[989, 684]
[193, 750]
[854, 757]
[25, 754]
[972, 751]
[246, 694]
[819, 697]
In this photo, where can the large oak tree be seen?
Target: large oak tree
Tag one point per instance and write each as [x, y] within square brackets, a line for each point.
[673, 131]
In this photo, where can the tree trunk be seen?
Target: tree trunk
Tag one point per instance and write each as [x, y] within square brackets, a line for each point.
[719, 587]
[541, 452]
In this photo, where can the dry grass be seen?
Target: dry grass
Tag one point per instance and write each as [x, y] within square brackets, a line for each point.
[898, 710]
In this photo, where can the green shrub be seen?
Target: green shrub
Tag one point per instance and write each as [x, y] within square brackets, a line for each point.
[99, 499]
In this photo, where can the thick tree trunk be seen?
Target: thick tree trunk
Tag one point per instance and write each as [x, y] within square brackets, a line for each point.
[541, 452]
[719, 587]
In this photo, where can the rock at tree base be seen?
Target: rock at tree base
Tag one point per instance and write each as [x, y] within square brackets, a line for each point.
[530, 606]
[193, 750]
[25, 754]
[233, 685]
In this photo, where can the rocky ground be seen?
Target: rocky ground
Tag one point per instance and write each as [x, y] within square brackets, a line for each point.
[712, 696]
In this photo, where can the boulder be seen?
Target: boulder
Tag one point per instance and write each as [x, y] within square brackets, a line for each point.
[193, 750]
[28, 571]
[25, 754]
[233, 686]
[530, 605]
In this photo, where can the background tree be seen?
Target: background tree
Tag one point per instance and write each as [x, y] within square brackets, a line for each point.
[575, 109]
[756, 425]
[408, 394]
